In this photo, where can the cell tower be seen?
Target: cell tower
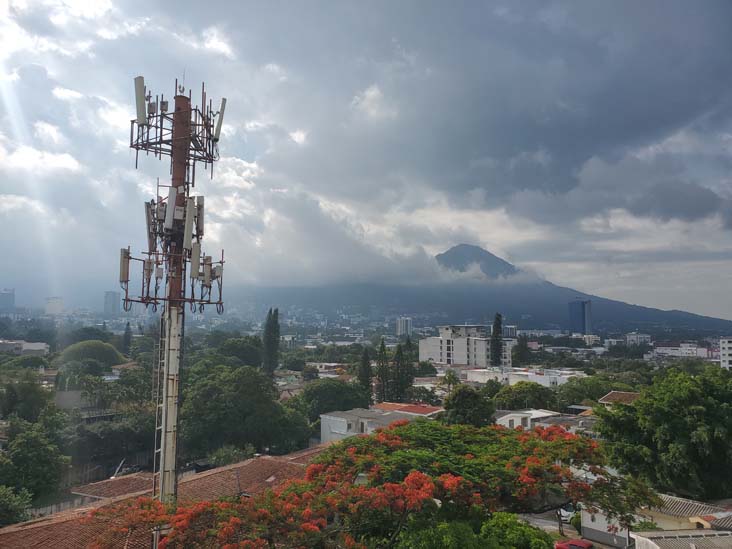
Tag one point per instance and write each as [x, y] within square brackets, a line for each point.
[188, 135]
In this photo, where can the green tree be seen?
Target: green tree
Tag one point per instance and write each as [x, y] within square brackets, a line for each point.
[422, 395]
[37, 463]
[248, 349]
[677, 434]
[310, 372]
[271, 342]
[127, 340]
[491, 388]
[450, 381]
[525, 394]
[24, 396]
[14, 505]
[496, 344]
[466, 405]
[507, 530]
[329, 395]
[590, 389]
[232, 405]
[443, 535]
[382, 372]
[29, 362]
[521, 354]
[231, 454]
[94, 349]
[364, 372]
[425, 369]
[402, 377]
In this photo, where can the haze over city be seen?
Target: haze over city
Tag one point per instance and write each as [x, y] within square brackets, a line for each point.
[592, 148]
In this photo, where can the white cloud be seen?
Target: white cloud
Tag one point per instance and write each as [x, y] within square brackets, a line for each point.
[38, 162]
[65, 94]
[214, 40]
[299, 136]
[48, 133]
[372, 103]
[11, 202]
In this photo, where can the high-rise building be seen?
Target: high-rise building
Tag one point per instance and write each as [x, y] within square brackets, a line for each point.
[464, 345]
[111, 303]
[403, 326]
[54, 306]
[725, 352]
[580, 316]
[7, 300]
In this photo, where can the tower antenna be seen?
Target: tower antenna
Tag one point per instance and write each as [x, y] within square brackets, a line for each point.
[175, 270]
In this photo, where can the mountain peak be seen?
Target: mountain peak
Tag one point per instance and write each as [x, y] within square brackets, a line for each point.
[462, 256]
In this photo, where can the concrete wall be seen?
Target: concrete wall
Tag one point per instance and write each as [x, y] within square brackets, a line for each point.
[595, 528]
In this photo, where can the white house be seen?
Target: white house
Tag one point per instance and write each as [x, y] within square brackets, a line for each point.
[359, 421]
[511, 376]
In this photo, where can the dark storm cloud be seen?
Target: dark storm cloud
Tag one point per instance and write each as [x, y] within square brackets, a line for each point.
[359, 136]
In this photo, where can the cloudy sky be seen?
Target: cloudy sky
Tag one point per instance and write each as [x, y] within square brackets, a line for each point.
[589, 142]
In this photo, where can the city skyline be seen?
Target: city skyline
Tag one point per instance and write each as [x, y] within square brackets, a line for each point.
[359, 143]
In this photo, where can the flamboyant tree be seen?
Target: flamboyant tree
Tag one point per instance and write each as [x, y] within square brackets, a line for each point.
[369, 490]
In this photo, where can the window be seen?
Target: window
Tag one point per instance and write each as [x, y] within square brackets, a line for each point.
[510, 424]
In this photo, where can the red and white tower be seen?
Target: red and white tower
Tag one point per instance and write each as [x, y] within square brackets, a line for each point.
[175, 273]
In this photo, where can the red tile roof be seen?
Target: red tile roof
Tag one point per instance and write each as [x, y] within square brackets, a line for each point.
[72, 529]
[622, 397]
[115, 487]
[416, 409]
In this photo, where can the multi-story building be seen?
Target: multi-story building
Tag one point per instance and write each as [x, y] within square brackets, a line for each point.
[634, 338]
[404, 326]
[54, 306]
[682, 350]
[111, 304]
[463, 345]
[7, 300]
[511, 376]
[580, 316]
[725, 352]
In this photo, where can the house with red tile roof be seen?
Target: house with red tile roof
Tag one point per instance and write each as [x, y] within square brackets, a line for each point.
[74, 529]
[619, 397]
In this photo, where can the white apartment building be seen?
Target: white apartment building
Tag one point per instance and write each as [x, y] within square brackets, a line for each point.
[683, 350]
[404, 326]
[544, 377]
[725, 352]
[634, 338]
[463, 345]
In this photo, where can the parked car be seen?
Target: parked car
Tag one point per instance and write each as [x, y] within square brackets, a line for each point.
[573, 544]
[567, 512]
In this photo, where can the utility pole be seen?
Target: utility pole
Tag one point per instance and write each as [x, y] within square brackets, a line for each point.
[189, 136]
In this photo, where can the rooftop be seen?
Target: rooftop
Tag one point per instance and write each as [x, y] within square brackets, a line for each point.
[680, 507]
[416, 409]
[619, 397]
[72, 529]
[687, 539]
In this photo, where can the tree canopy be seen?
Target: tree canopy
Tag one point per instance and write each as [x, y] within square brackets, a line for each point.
[94, 349]
[372, 491]
[235, 405]
[466, 405]
[328, 395]
[677, 434]
[525, 394]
